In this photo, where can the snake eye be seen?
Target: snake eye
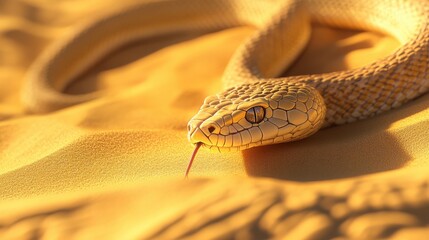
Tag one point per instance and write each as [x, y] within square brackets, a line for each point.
[255, 114]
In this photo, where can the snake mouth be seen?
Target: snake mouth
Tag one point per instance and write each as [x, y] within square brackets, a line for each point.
[215, 148]
[198, 136]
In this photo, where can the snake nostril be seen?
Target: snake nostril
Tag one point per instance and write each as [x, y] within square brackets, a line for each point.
[211, 129]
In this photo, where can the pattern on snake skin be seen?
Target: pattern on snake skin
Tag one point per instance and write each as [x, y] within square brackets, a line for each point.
[282, 30]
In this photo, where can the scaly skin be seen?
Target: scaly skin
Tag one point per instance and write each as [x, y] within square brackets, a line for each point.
[288, 102]
[282, 31]
[292, 112]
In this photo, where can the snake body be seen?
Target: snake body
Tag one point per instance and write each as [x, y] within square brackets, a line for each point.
[257, 108]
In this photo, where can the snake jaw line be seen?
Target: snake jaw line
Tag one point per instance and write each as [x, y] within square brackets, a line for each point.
[262, 113]
[282, 34]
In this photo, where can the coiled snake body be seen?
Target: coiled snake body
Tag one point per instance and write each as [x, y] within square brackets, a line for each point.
[257, 108]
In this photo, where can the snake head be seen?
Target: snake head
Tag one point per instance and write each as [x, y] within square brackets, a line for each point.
[259, 114]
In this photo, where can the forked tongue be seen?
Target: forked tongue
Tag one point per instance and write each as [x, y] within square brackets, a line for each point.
[197, 146]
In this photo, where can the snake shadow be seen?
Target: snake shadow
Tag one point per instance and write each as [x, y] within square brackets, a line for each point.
[91, 80]
[343, 151]
[350, 150]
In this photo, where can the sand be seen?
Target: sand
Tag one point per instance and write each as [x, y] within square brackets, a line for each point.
[113, 168]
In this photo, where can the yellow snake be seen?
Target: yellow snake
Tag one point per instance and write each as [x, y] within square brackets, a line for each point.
[256, 108]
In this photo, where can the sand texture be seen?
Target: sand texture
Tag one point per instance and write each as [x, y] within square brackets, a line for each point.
[112, 168]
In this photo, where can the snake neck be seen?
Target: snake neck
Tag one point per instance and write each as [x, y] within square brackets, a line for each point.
[283, 28]
[68, 58]
[354, 94]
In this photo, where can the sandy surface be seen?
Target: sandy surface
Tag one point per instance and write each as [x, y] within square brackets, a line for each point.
[113, 167]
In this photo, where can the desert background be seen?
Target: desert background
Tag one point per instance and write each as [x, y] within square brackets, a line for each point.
[113, 168]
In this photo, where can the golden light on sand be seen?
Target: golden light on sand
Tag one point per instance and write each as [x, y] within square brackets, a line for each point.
[113, 167]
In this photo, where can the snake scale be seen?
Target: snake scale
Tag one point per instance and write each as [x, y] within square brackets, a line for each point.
[256, 108]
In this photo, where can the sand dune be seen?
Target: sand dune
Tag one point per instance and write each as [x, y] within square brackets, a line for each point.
[113, 167]
[371, 207]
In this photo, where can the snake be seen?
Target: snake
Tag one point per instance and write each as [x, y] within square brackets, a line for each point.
[257, 107]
